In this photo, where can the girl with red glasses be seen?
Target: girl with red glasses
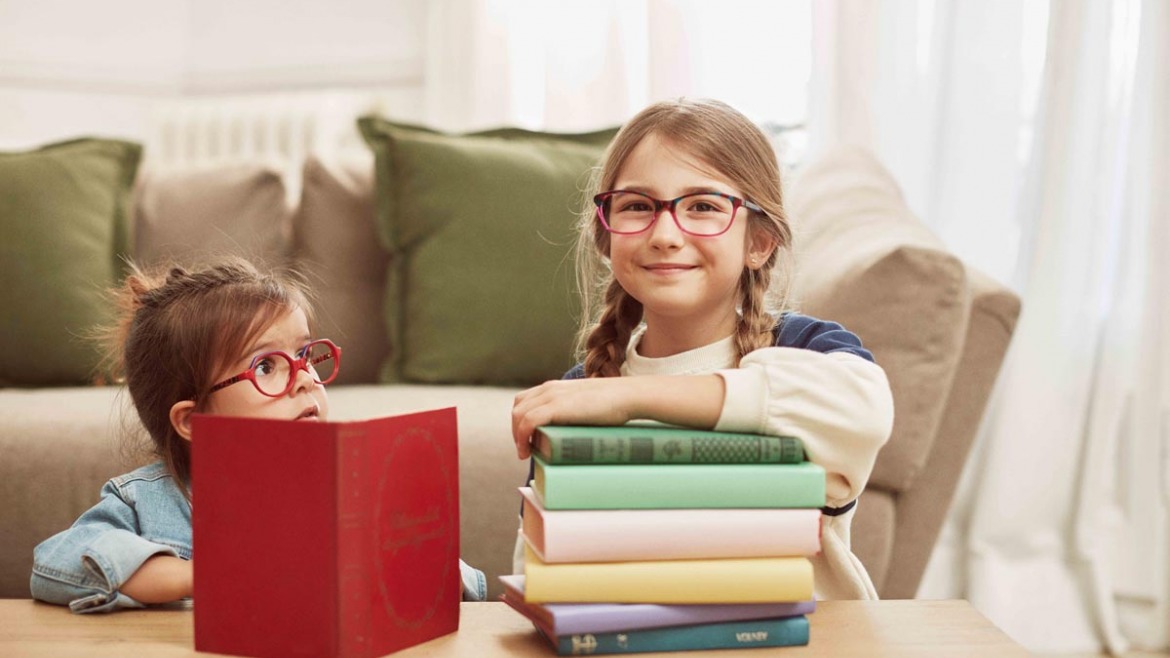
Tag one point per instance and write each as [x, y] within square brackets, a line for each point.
[227, 340]
[684, 259]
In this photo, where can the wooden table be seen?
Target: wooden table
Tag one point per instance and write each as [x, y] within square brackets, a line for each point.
[839, 628]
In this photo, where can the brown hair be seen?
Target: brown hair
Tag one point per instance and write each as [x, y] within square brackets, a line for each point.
[178, 329]
[733, 147]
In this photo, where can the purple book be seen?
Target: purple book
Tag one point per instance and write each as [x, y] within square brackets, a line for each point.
[576, 618]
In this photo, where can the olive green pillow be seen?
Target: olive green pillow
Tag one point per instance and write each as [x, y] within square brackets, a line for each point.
[63, 215]
[480, 230]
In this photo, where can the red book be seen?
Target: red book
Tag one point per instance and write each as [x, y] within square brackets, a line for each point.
[325, 539]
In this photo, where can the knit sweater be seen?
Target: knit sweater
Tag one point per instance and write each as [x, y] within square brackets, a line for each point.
[817, 383]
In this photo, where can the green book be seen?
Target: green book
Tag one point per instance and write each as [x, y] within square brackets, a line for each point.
[678, 486]
[786, 632]
[645, 444]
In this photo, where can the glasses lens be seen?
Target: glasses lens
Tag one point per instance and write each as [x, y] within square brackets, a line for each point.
[705, 214]
[322, 361]
[628, 212]
[272, 372]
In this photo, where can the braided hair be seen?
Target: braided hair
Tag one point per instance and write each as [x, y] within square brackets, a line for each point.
[729, 145]
[178, 329]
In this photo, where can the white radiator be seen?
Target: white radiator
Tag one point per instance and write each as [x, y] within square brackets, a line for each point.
[278, 129]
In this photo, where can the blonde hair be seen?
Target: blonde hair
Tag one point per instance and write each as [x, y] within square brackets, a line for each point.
[734, 148]
[177, 329]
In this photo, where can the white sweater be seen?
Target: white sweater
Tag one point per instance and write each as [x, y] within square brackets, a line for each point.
[839, 405]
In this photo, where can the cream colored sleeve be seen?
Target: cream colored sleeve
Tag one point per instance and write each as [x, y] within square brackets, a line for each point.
[838, 404]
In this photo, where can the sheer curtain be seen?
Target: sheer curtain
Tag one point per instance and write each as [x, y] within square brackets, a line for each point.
[576, 65]
[1033, 138]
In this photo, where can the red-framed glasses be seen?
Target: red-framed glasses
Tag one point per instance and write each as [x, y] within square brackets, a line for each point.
[705, 214]
[275, 373]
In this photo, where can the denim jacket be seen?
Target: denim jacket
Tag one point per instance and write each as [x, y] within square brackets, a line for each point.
[141, 514]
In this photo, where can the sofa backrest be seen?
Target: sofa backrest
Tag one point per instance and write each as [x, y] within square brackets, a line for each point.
[865, 261]
[335, 243]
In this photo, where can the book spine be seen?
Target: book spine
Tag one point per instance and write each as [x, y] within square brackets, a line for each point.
[793, 631]
[750, 580]
[629, 535]
[679, 486]
[675, 449]
[353, 574]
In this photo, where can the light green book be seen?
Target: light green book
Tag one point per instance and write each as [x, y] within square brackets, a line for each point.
[678, 486]
[660, 444]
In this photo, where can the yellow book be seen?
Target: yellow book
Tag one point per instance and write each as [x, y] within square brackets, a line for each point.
[746, 580]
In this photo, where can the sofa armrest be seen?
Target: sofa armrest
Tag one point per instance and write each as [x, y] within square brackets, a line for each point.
[922, 508]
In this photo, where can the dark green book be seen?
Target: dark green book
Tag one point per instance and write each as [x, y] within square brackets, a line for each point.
[652, 444]
[786, 632]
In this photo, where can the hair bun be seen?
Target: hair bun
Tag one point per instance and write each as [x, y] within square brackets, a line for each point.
[176, 274]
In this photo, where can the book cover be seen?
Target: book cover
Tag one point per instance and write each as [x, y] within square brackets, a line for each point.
[747, 580]
[578, 618]
[787, 632]
[325, 538]
[667, 534]
[660, 444]
[678, 486]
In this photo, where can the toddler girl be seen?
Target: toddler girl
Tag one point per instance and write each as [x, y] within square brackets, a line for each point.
[225, 340]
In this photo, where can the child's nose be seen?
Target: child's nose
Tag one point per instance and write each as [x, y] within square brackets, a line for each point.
[665, 229]
[303, 380]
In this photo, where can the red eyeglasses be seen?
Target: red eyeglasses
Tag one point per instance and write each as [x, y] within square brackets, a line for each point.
[275, 373]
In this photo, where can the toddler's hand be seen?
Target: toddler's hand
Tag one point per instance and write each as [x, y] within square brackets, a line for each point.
[604, 401]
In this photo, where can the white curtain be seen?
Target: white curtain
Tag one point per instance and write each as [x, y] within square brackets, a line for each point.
[1035, 139]
[576, 65]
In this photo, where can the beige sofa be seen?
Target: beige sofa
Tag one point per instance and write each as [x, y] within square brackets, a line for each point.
[938, 327]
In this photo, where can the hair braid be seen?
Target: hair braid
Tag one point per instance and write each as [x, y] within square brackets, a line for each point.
[605, 347]
[754, 328]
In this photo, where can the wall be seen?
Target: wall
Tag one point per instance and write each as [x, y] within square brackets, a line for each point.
[125, 67]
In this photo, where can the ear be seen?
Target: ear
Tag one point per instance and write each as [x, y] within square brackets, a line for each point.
[181, 417]
[759, 248]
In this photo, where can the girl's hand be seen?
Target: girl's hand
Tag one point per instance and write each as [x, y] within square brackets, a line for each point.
[161, 579]
[602, 401]
[694, 401]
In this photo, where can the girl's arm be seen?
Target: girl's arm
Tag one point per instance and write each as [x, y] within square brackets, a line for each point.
[86, 566]
[693, 401]
[839, 404]
[160, 579]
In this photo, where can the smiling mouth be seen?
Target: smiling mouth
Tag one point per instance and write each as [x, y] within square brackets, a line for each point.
[668, 269]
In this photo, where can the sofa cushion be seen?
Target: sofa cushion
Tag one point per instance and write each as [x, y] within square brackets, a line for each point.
[335, 244]
[58, 448]
[480, 229]
[60, 445]
[195, 213]
[863, 260]
[64, 218]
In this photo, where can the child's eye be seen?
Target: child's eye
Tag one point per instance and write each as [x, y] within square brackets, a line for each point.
[265, 366]
[635, 206]
[706, 205]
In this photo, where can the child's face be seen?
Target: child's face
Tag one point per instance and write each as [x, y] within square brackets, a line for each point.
[306, 401]
[678, 278]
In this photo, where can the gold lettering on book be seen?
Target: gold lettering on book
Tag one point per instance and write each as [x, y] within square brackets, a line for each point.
[584, 644]
[751, 636]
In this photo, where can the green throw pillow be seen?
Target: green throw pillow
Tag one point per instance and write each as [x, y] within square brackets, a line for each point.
[64, 218]
[480, 229]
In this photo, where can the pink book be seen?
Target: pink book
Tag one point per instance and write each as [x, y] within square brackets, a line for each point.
[668, 534]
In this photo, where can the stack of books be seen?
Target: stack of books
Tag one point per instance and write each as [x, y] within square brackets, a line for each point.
[655, 538]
